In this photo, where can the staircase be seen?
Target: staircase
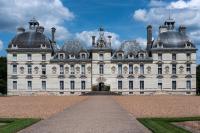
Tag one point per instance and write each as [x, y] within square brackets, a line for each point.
[95, 93]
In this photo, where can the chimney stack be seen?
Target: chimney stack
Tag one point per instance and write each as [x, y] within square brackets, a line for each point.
[109, 40]
[149, 36]
[93, 40]
[53, 30]
[182, 29]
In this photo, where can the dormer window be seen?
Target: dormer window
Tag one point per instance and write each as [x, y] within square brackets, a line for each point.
[83, 56]
[130, 56]
[159, 45]
[142, 56]
[14, 46]
[188, 45]
[43, 46]
[61, 56]
[72, 56]
[119, 56]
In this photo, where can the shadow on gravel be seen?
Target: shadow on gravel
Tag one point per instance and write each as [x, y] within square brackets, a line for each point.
[101, 93]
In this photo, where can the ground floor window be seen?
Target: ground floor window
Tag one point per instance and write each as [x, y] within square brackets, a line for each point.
[72, 85]
[141, 85]
[188, 84]
[14, 85]
[119, 85]
[160, 86]
[61, 85]
[130, 85]
[173, 85]
[44, 85]
[83, 85]
[29, 85]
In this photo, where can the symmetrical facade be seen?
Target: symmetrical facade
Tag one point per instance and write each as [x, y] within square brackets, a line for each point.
[36, 66]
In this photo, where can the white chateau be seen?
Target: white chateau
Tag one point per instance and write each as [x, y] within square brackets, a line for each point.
[36, 66]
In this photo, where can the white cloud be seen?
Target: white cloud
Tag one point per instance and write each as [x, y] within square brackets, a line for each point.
[85, 36]
[50, 13]
[184, 12]
[1, 45]
[142, 41]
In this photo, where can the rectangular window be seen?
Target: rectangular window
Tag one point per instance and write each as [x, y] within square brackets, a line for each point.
[130, 68]
[159, 68]
[61, 85]
[100, 56]
[173, 57]
[83, 69]
[29, 85]
[14, 57]
[141, 68]
[43, 57]
[141, 85]
[14, 69]
[83, 56]
[142, 56]
[101, 69]
[82, 85]
[159, 56]
[188, 56]
[119, 56]
[44, 85]
[29, 57]
[188, 69]
[72, 85]
[61, 69]
[14, 85]
[130, 85]
[173, 68]
[119, 69]
[29, 69]
[119, 85]
[43, 69]
[61, 56]
[188, 84]
[173, 85]
[72, 69]
[160, 86]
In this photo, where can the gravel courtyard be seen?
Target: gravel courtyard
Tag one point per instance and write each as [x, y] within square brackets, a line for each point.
[35, 106]
[160, 105]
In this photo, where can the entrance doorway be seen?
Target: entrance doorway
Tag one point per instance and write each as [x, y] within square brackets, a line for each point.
[101, 87]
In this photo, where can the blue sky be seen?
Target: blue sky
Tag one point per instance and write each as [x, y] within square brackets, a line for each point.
[124, 20]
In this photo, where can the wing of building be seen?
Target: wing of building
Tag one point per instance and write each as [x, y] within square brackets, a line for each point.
[37, 66]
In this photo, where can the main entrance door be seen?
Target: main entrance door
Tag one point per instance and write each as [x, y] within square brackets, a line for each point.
[101, 87]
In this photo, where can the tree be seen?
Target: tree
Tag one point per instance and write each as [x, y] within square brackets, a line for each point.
[3, 75]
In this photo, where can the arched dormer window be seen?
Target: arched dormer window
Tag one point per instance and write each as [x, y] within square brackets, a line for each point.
[61, 56]
[72, 56]
[130, 56]
[187, 44]
[83, 55]
[142, 55]
[43, 46]
[159, 45]
[14, 46]
[120, 55]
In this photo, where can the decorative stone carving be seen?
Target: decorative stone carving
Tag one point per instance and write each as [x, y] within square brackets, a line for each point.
[181, 68]
[136, 69]
[101, 79]
[148, 69]
[89, 69]
[67, 70]
[54, 70]
[113, 69]
[36, 70]
[77, 70]
[125, 69]
[167, 69]
[22, 70]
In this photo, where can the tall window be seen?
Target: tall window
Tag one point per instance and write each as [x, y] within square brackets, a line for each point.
[14, 69]
[159, 68]
[43, 69]
[72, 69]
[119, 85]
[120, 56]
[43, 57]
[130, 85]
[29, 57]
[141, 68]
[173, 85]
[188, 56]
[188, 69]
[61, 69]
[14, 57]
[141, 85]
[72, 85]
[101, 70]
[29, 85]
[29, 69]
[100, 56]
[130, 68]
[83, 69]
[173, 68]
[61, 85]
[120, 69]
[159, 56]
[83, 56]
[188, 84]
[82, 85]
[142, 56]
[14, 85]
[61, 56]
[44, 85]
[173, 56]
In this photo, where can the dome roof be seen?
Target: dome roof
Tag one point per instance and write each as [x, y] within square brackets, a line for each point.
[172, 39]
[30, 40]
[73, 47]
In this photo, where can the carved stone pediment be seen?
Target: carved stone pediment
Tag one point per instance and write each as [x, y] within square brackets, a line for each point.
[101, 79]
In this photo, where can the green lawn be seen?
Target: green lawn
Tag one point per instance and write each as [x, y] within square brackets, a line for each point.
[12, 125]
[164, 125]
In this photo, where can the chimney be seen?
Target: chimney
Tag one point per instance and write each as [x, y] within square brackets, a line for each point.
[149, 36]
[40, 29]
[93, 40]
[182, 29]
[109, 40]
[20, 30]
[53, 30]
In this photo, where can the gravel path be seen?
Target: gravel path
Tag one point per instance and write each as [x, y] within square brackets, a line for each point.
[97, 114]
